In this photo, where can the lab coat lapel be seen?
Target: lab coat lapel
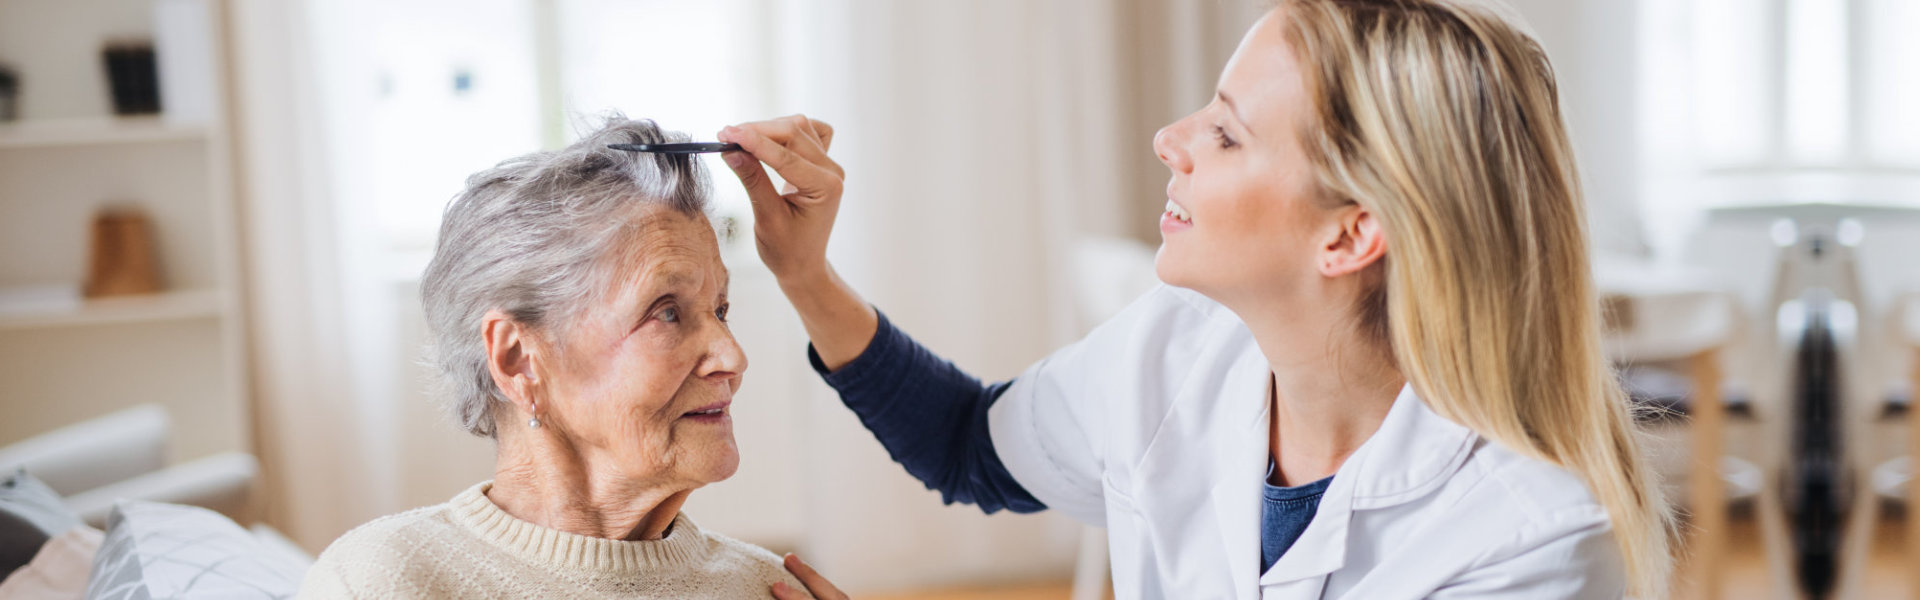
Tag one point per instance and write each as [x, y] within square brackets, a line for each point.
[1236, 508]
[1240, 464]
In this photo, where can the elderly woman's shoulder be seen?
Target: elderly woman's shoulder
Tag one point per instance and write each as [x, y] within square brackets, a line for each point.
[382, 558]
[395, 532]
[740, 557]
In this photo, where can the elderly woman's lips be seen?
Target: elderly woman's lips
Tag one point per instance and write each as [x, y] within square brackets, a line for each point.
[717, 408]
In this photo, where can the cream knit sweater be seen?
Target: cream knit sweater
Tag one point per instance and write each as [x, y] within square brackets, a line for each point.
[469, 548]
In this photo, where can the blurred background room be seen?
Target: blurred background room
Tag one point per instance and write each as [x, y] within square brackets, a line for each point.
[214, 215]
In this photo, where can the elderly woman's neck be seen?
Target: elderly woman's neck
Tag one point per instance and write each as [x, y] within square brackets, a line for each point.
[550, 484]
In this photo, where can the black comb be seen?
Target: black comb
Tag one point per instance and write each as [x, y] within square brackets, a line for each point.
[678, 148]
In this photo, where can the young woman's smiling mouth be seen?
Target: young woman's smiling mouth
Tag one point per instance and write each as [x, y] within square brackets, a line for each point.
[1175, 218]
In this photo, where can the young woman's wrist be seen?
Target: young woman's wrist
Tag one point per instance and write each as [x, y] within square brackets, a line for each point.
[821, 296]
[838, 321]
[808, 278]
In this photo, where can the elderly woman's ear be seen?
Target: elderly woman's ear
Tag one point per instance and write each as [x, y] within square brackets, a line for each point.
[510, 357]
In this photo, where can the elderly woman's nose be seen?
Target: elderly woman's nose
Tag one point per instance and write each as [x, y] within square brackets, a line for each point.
[725, 358]
[1167, 144]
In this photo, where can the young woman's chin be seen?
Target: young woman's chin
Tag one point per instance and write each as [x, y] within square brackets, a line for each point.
[1211, 272]
[1175, 267]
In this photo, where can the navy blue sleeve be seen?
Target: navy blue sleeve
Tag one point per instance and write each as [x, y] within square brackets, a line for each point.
[931, 417]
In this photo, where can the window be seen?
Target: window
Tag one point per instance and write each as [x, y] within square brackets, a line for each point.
[688, 64]
[1747, 102]
[1892, 83]
[1783, 84]
[421, 94]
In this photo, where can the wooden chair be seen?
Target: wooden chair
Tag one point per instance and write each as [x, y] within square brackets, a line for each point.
[1675, 320]
[1910, 334]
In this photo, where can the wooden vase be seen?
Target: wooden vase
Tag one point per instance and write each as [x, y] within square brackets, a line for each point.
[122, 260]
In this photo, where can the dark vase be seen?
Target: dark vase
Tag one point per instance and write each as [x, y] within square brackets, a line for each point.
[9, 95]
[133, 78]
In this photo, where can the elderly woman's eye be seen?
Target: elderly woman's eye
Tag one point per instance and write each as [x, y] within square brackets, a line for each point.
[722, 312]
[669, 315]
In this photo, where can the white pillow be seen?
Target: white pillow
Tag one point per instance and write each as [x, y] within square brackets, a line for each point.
[156, 550]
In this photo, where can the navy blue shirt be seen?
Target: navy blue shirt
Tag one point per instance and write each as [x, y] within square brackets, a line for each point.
[932, 419]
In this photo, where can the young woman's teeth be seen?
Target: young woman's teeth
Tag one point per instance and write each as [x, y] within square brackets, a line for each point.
[1178, 212]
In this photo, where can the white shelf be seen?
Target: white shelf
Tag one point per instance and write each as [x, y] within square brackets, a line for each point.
[50, 133]
[63, 358]
[165, 306]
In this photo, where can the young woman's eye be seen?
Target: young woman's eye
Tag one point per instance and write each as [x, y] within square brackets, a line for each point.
[722, 312]
[668, 315]
[1225, 142]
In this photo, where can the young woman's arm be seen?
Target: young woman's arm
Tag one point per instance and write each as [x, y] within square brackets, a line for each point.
[931, 417]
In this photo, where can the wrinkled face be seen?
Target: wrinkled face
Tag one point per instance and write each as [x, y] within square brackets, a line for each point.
[1241, 215]
[645, 377]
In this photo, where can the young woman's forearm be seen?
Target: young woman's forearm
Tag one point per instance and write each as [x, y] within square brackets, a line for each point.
[943, 439]
[839, 323]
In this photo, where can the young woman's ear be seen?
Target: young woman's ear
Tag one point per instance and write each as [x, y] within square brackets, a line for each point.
[1357, 244]
[511, 357]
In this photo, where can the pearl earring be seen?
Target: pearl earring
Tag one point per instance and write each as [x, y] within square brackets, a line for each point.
[534, 407]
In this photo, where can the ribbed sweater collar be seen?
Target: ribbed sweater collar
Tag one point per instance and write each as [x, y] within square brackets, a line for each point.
[684, 546]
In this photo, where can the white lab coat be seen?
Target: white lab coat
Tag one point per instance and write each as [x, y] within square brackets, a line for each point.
[1155, 426]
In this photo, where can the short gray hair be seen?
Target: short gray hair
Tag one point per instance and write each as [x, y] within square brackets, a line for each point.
[530, 237]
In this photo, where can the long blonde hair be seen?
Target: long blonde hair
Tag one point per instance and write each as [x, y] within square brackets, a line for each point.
[1444, 121]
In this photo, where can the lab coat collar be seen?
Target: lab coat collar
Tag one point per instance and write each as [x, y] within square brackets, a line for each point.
[1413, 453]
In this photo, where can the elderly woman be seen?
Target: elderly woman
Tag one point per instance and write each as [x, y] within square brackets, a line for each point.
[577, 308]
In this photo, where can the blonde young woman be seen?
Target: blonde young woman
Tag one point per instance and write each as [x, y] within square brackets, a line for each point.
[1374, 370]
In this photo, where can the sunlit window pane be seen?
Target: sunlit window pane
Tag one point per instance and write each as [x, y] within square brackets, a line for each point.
[1731, 85]
[1893, 82]
[1816, 86]
[673, 61]
[662, 59]
[453, 93]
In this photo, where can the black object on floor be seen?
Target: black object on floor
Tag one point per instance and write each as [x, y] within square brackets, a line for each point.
[1817, 479]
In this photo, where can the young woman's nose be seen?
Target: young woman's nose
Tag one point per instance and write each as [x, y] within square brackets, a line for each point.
[1169, 145]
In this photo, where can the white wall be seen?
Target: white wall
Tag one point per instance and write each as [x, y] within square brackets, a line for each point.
[1594, 47]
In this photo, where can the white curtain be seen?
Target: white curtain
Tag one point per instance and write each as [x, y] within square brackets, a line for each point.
[345, 432]
[308, 445]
